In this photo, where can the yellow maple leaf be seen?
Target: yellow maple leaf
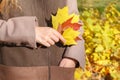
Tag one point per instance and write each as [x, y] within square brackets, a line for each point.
[70, 35]
[69, 22]
[63, 15]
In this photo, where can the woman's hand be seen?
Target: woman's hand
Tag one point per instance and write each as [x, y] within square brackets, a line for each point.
[66, 62]
[48, 36]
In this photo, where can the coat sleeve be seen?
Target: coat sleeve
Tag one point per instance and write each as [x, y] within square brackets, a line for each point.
[18, 31]
[76, 52]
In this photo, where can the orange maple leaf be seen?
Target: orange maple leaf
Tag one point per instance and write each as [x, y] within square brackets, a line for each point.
[68, 24]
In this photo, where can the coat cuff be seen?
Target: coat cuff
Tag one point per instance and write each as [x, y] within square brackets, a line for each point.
[77, 52]
[28, 24]
[19, 30]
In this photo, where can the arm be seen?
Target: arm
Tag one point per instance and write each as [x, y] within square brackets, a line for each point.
[19, 30]
[25, 31]
[75, 52]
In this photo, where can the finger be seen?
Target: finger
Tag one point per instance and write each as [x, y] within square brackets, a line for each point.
[67, 63]
[62, 39]
[56, 33]
[54, 37]
[50, 41]
[43, 42]
[62, 64]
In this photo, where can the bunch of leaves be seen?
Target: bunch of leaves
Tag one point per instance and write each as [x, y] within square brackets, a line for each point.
[67, 24]
[102, 43]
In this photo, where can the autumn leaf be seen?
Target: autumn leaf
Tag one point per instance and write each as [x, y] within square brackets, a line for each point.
[67, 24]
[70, 35]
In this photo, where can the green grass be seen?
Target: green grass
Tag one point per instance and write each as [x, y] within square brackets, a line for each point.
[99, 4]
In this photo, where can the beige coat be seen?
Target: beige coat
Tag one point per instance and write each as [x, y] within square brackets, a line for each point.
[19, 57]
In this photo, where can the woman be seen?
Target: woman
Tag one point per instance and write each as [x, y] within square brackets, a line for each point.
[23, 35]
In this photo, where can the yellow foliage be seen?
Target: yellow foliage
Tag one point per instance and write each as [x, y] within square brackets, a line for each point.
[102, 43]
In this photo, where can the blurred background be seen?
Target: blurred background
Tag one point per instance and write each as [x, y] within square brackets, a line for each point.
[99, 4]
[101, 20]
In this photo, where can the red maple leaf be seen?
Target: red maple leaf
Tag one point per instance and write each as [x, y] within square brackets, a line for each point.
[67, 24]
